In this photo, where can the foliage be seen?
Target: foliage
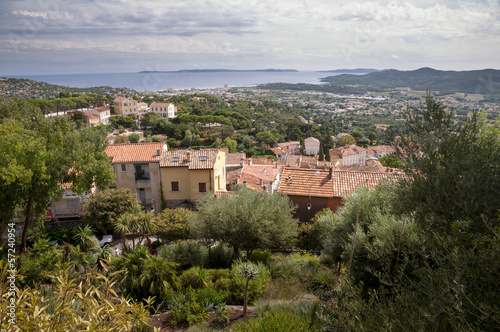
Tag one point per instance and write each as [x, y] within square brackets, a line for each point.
[134, 138]
[104, 207]
[245, 219]
[185, 253]
[40, 155]
[80, 304]
[39, 263]
[453, 170]
[392, 161]
[256, 285]
[346, 140]
[84, 237]
[261, 256]
[220, 256]
[173, 224]
[143, 274]
[186, 308]
[283, 321]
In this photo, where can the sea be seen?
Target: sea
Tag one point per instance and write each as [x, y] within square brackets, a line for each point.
[181, 80]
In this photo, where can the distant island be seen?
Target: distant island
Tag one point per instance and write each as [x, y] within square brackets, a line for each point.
[217, 71]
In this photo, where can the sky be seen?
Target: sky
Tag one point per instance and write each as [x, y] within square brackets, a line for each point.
[108, 36]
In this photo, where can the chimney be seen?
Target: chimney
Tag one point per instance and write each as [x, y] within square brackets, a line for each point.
[330, 173]
[260, 182]
[250, 162]
[158, 152]
[188, 156]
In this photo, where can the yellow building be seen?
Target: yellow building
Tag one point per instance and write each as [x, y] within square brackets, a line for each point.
[125, 106]
[187, 175]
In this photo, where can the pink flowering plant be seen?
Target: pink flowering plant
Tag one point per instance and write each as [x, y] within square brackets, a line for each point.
[173, 224]
[104, 207]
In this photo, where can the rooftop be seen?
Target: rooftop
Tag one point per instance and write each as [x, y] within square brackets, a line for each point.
[135, 152]
[198, 159]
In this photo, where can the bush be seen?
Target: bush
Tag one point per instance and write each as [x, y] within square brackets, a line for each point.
[172, 224]
[282, 320]
[186, 308]
[39, 263]
[209, 298]
[256, 286]
[185, 253]
[220, 256]
[261, 256]
[134, 138]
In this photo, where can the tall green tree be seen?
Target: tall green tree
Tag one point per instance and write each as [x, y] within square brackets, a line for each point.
[453, 170]
[246, 219]
[321, 155]
[346, 140]
[41, 155]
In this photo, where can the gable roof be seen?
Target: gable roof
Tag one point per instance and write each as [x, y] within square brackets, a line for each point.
[135, 152]
[317, 183]
[198, 159]
[305, 182]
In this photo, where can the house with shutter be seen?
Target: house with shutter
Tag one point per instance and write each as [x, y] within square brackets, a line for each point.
[125, 106]
[188, 175]
[137, 167]
[164, 110]
[311, 146]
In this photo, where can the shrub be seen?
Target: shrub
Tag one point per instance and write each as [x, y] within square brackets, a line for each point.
[134, 138]
[256, 286]
[39, 263]
[209, 297]
[172, 224]
[261, 256]
[220, 256]
[185, 308]
[185, 253]
[282, 320]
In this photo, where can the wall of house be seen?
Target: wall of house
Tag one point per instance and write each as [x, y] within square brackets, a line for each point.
[151, 186]
[317, 204]
[177, 174]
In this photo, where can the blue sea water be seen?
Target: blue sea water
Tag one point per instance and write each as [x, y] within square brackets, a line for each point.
[180, 80]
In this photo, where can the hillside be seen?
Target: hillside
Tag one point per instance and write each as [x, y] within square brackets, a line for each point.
[485, 81]
[29, 89]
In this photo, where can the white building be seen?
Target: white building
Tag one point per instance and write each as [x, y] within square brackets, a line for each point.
[102, 112]
[165, 110]
[311, 146]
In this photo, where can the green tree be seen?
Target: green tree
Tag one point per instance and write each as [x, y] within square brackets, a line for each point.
[346, 140]
[40, 156]
[230, 144]
[391, 160]
[103, 208]
[266, 138]
[134, 138]
[453, 170]
[328, 157]
[321, 155]
[173, 224]
[245, 219]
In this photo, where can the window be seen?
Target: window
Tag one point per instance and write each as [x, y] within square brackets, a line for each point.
[203, 158]
[175, 159]
[175, 186]
[124, 168]
[202, 187]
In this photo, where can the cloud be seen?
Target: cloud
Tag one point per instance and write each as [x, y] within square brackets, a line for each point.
[286, 33]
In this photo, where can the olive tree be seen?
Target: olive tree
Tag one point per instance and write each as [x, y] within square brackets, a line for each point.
[245, 219]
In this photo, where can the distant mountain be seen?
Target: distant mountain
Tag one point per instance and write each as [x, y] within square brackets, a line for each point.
[351, 71]
[218, 71]
[29, 89]
[485, 81]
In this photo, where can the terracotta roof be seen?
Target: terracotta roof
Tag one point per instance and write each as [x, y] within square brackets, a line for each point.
[101, 109]
[383, 148]
[277, 151]
[120, 99]
[198, 159]
[235, 158]
[305, 182]
[135, 152]
[346, 182]
[232, 176]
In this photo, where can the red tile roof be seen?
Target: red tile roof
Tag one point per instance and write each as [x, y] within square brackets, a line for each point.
[160, 105]
[305, 182]
[198, 159]
[135, 152]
